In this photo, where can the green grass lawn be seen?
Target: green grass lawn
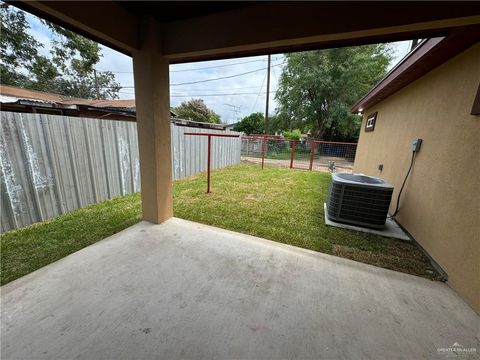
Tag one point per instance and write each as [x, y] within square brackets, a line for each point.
[27, 249]
[279, 204]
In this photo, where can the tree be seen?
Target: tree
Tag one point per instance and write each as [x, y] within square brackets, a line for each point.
[292, 135]
[278, 123]
[318, 88]
[68, 68]
[215, 118]
[196, 110]
[251, 124]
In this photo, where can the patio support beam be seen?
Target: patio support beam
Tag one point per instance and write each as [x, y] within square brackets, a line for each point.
[151, 75]
[276, 27]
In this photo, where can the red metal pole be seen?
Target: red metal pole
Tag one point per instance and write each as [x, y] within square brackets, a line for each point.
[208, 163]
[211, 134]
[263, 150]
[209, 150]
[312, 154]
[292, 152]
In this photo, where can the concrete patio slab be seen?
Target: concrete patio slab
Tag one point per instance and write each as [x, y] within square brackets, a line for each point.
[185, 290]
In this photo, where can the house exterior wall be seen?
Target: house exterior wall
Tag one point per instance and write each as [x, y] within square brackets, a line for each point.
[440, 204]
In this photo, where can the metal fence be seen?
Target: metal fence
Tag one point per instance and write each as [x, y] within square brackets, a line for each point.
[51, 164]
[308, 154]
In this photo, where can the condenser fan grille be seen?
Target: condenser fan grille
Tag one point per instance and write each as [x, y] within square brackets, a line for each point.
[359, 204]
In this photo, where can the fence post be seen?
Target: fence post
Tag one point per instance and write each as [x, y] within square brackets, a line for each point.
[208, 163]
[312, 153]
[264, 143]
[209, 149]
[292, 152]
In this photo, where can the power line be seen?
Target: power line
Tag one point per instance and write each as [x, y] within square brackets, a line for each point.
[230, 89]
[221, 78]
[231, 94]
[275, 74]
[219, 89]
[200, 68]
[207, 95]
[258, 95]
[205, 80]
[235, 109]
[218, 66]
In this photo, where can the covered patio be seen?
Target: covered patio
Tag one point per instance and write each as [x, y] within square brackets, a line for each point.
[185, 290]
[157, 34]
[168, 288]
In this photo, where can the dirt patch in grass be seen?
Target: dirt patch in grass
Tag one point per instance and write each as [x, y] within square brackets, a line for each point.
[392, 258]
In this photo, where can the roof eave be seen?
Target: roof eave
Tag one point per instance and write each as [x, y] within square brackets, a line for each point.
[427, 56]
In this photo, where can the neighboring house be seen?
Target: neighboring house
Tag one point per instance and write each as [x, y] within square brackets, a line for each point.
[434, 95]
[17, 99]
[230, 126]
[31, 101]
[197, 124]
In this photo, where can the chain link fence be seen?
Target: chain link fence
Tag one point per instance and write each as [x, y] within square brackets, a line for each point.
[303, 154]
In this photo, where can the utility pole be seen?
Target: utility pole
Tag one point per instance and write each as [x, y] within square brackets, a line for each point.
[235, 111]
[97, 89]
[268, 95]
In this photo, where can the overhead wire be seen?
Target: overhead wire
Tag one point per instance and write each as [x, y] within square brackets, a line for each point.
[225, 94]
[224, 89]
[208, 95]
[258, 95]
[217, 66]
[222, 78]
[199, 68]
[206, 80]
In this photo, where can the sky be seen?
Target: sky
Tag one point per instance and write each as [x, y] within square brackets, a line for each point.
[238, 95]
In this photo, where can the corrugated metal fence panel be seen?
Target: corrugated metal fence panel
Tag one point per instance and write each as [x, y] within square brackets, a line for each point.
[51, 164]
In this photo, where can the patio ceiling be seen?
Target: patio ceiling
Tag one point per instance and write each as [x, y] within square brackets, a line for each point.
[193, 31]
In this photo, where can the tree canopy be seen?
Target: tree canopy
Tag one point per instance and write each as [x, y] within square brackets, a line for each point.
[292, 135]
[318, 88]
[196, 110]
[251, 124]
[68, 68]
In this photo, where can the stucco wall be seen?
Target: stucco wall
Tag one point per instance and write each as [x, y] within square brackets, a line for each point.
[440, 204]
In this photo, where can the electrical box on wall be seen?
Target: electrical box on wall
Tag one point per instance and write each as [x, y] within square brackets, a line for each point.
[416, 144]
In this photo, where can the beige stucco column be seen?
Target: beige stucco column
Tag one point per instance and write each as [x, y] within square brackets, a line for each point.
[152, 97]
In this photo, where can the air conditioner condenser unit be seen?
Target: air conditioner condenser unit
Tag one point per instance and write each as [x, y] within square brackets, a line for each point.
[359, 200]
